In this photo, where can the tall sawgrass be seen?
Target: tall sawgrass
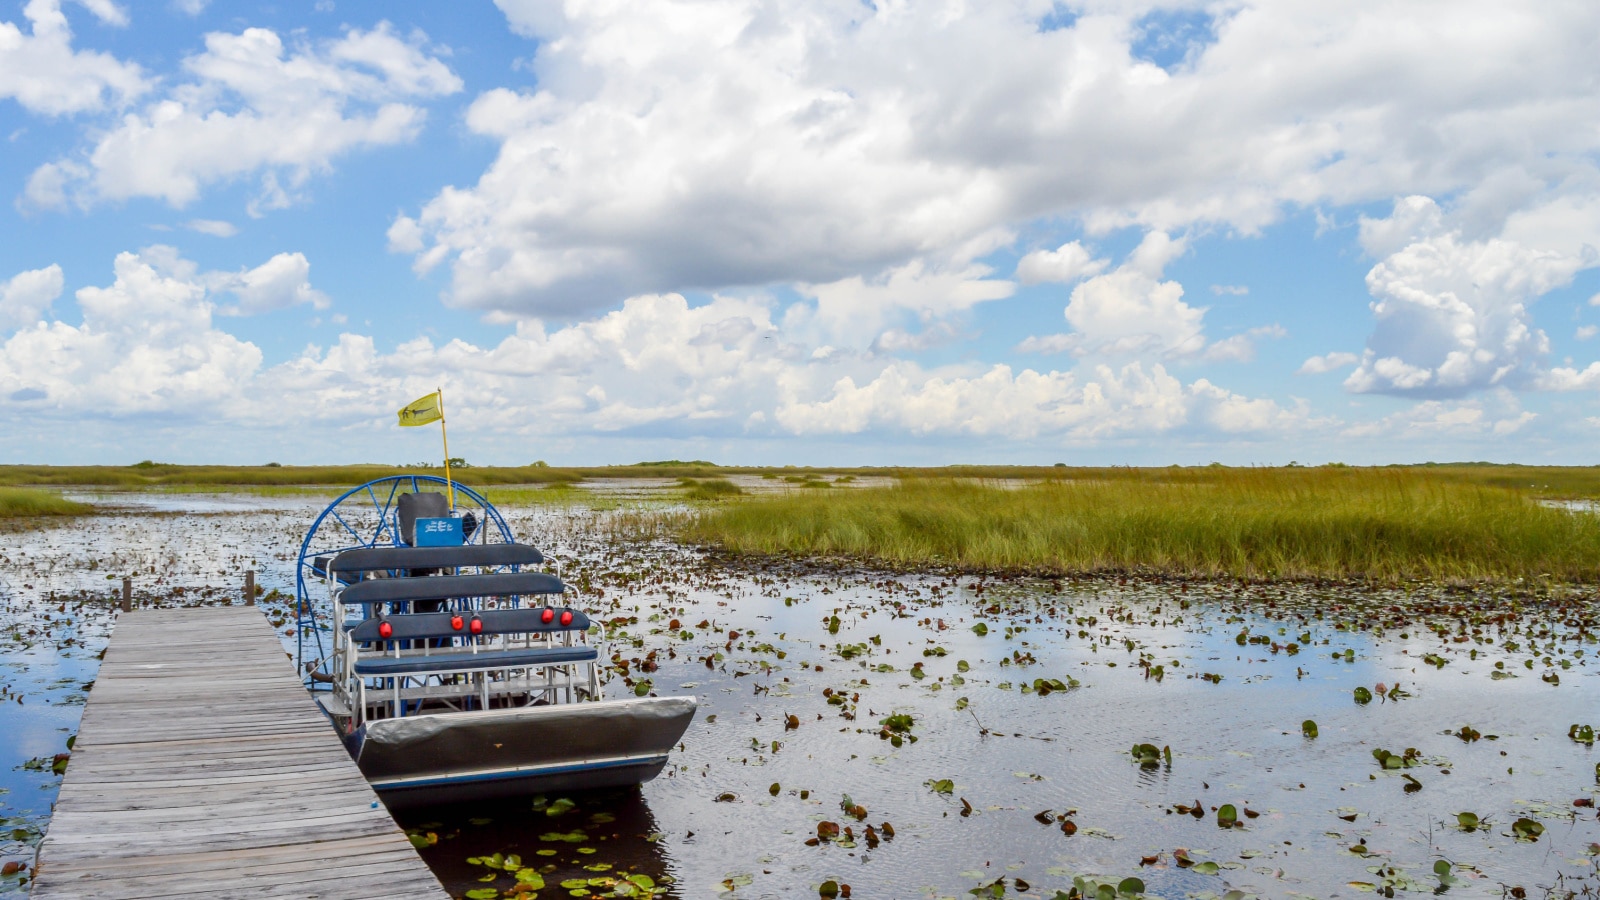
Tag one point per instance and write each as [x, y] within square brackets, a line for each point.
[25, 503]
[1380, 524]
[161, 474]
[709, 488]
[1568, 482]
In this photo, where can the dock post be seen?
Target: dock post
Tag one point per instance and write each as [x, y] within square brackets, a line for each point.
[250, 588]
[127, 594]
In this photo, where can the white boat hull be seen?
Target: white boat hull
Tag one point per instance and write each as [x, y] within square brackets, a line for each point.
[460, 756]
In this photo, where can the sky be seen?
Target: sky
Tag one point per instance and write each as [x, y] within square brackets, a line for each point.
[801, 231]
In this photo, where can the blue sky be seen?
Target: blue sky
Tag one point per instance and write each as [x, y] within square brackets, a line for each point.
[824, 232]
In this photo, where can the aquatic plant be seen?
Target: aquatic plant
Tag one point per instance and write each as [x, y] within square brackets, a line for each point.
[1376, 524]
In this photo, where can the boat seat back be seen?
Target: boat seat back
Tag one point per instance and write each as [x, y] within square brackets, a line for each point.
[377, 559]
[410, 507]
[522, 658]
[424, 626]
[450, 587]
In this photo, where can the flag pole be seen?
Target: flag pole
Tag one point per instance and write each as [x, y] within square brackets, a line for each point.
[448, 484]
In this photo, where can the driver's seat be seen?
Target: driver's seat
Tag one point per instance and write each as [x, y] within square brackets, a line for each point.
[421, 505]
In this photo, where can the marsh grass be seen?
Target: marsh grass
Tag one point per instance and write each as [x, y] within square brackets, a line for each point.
[146, 475]
[1387, 524]
[709, 488]
[252, 490]
[558, 494]
[25, 503]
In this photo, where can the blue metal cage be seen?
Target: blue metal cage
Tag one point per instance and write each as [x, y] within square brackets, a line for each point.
[361, 518]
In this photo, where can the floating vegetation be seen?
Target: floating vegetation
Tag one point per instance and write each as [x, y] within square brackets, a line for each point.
[806, 675]
[1148, 756]
[1411, 757]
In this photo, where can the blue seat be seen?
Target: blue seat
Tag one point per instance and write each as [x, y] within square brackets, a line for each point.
[385, 666]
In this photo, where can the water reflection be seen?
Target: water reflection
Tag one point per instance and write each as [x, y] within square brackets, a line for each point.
[604, 839]
[842, 653]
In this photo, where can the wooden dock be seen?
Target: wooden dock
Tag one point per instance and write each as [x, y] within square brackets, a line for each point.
[203, 770]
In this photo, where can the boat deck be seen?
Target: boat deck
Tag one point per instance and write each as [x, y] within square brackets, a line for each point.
[202, 769]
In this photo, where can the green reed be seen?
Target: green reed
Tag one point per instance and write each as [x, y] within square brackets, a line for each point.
[1328, 522]
[22, 503]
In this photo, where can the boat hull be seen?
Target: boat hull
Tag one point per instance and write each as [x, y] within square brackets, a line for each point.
[454, 757]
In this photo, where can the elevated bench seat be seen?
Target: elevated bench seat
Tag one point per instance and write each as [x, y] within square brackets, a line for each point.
[379, 559]
[421, 627]
[464, 661]
[450, 587]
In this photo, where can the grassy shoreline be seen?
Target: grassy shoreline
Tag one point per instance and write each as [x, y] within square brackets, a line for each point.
[1444, 523]
[1549, 482]
[28, 503]
[1386, 525]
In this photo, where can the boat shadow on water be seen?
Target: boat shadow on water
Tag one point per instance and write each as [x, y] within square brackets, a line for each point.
[599, 840]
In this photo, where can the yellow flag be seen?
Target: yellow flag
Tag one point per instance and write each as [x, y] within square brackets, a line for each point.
[421, 411]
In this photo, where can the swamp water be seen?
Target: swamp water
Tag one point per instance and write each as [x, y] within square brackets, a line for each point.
[985, 729]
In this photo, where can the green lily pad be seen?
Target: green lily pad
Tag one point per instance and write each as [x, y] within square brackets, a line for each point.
[1526, 829]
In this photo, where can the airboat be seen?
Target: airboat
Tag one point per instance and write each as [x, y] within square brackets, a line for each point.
[452, 665]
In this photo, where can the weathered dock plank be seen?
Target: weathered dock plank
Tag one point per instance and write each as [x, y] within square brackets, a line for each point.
[202, 769]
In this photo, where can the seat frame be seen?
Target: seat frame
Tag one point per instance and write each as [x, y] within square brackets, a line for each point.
[426, 664]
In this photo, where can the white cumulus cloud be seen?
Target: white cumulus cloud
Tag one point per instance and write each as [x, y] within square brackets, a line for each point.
[853, 311]
[1067, 263]
[40, 69]
[279, 283]
[1451, 313]
[150, 345]
[1134, 310]
[213, 227]
[1242, 347]
[252, 106]
[687, 144]
[146, 346]
[1328, 362]
[1496, 415]
[1101, 404]
[26, 297]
